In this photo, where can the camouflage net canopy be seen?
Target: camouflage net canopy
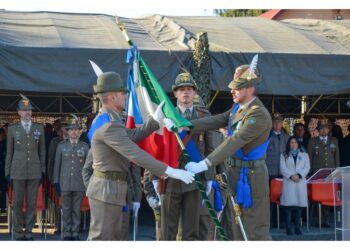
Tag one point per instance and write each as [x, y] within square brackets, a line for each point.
[201, 63]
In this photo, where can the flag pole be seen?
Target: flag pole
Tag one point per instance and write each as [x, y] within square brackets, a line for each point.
[200, 185]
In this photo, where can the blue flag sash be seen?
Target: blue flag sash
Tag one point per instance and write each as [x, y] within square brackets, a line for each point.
[99, 121]
[243, 194]
[195, 155]
[191, 148]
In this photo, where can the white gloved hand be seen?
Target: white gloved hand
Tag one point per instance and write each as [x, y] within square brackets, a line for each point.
[153, 202]
[158, 114]
[169, 124]
[196, 168]
[155, 186]
[180, 174]
[208, 187]
[135, 207]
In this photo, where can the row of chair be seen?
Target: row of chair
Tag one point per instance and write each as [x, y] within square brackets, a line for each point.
[321, 193]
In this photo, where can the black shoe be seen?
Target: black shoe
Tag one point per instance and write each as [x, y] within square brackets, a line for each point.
[298, 231]
[67, 238]
[75, 238]
[21, 238]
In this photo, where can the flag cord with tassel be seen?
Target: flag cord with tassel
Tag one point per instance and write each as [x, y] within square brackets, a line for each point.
[200, 185]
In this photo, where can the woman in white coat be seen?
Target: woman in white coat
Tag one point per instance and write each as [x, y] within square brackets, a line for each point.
[295, 165]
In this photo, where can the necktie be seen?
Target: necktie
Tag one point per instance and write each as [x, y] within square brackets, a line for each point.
[187, 114]
[279, 136]
[26, 127]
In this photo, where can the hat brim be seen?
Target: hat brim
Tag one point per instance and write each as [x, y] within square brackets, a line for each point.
[322, 126]
[25, 109]
[71, 127]
[184, 84]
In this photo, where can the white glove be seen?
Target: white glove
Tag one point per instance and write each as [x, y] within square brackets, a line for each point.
[180, 174]
[153, 202]
[158, 114]
[155, 186]
[169, 124]
[196, 168]
[136, 207]
[208, 187]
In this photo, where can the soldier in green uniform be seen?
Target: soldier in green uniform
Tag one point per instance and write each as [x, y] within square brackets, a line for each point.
[62, 135]
[113, 147]
[324, 153]
[69, 161]
[184, 200]
[25, 166]
[249, 124]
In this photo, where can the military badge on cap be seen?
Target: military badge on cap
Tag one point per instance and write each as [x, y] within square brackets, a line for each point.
[277, 117]
[73, 122]
[322, 124]
[184, 79]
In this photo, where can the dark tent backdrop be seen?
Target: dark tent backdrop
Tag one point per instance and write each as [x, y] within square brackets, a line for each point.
[49, 52]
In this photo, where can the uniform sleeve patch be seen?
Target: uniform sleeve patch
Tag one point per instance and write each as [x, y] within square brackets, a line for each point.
[252, 121]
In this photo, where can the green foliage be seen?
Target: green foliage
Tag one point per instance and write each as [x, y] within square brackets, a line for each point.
[239, 12]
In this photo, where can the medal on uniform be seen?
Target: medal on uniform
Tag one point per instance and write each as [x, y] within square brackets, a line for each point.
[37, 135]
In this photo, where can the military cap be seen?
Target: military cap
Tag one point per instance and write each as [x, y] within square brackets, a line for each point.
[322, 124]
[277, 117]
[64, 120]
[109, 82]
[184, 79]
[24, 104]
[73, 122]
[244, 78]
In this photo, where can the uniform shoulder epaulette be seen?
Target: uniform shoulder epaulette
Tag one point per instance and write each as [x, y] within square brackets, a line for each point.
[63, 142]
[14, 124]
[202, 109]
[255, 107]
[112, 116]
[38, 124]
[84, 143]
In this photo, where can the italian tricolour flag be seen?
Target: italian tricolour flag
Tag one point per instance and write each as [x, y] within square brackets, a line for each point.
[145, 94]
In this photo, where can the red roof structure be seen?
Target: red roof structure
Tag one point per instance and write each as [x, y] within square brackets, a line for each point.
[271, 14]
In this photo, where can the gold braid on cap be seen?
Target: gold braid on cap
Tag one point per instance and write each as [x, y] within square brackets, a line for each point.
[76, 119]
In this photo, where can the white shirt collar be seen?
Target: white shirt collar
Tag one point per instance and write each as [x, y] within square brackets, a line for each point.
[247, 104]
[323, 138]
[183, 109]
[23, 122]
[74, 141]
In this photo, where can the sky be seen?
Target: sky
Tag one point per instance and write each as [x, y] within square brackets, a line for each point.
[112, 7]
[135, 8]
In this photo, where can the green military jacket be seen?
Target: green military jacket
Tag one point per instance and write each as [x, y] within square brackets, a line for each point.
[69, 162]
[25, 157]
[113, 147]
[251, 127]
[51, 156]
[323, 156]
